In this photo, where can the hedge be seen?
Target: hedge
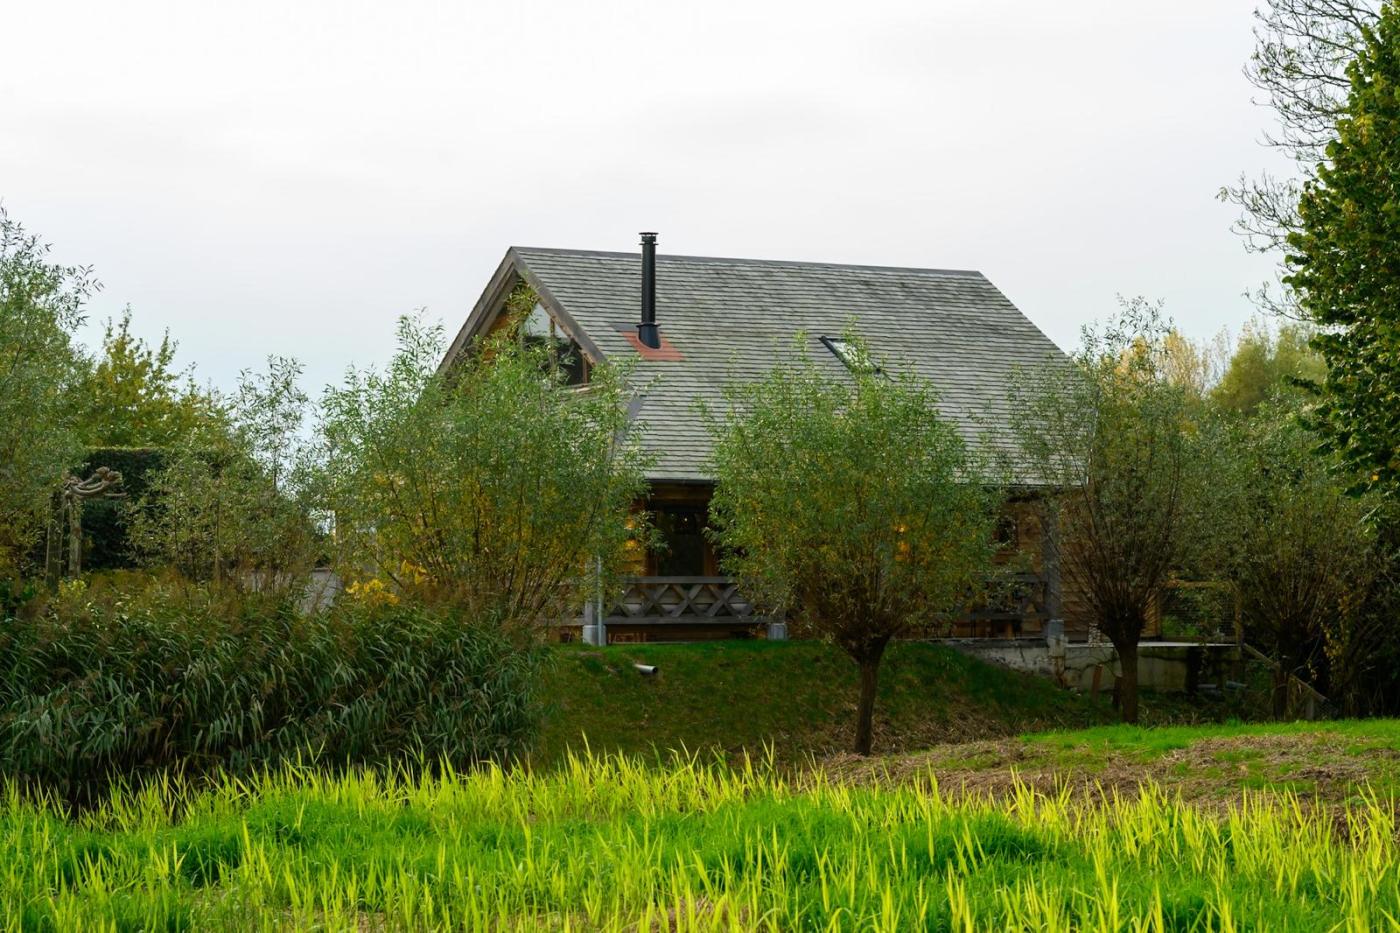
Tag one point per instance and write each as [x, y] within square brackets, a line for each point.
[105, 545]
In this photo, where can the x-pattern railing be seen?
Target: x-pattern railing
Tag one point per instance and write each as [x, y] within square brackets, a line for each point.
[1015, 605]
[681, 599]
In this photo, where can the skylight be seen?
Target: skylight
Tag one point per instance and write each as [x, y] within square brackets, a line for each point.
[855, 356]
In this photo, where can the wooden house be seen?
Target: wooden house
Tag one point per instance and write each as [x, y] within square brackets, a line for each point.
[691, 324]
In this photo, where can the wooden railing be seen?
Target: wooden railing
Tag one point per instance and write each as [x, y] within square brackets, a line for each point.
[1016, 605]
[682, 600]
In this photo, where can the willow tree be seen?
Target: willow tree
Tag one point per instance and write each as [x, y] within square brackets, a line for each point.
[493, 487]
[847, 502]
[41, 305]
[1118, 440]
[231, 502]
[1295, 546]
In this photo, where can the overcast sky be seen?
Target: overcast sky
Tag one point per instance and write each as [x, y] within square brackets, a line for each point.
[290, 177]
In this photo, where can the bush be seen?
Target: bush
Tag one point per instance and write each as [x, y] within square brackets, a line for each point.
[102, 686]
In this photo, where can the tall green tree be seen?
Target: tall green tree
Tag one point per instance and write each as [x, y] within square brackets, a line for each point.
[41, 304]
[1345, 262]
[135, 396]
[1117, 437]
[852, 506]
[495, 487]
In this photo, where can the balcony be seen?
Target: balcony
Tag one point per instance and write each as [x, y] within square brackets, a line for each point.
[682, 601]
[1016, 606]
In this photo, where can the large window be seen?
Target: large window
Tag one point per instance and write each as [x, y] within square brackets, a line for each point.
[565, 355]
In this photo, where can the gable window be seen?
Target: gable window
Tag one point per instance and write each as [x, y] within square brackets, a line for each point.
[565, 355]
[852, 355]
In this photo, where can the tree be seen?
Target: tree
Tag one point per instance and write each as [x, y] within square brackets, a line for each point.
[1345, 264]
[41, 304]
[232, 503]
[135, 397]
[1117, 439]
[1302, 51]
[1265, 363]
[1292, 543]
[495, 487]
[851, 505]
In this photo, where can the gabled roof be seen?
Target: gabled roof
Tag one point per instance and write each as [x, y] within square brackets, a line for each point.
[730, 319]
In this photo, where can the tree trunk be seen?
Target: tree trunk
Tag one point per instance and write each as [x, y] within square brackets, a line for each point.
[865, 710]
[1128, 660]
[1280, 693]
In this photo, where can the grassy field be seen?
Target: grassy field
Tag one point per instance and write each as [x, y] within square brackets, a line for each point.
[1210, 766]
[615, 845]
[799, 698]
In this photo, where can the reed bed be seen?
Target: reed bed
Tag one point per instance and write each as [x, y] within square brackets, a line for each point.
[612, 843]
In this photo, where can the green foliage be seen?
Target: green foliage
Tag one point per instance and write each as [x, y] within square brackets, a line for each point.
[118, 684]
[608, 844]
[41, 304]
[1264, 364]
[851, 505]
[1120, 440]
[1291, 541]
[1345, 263]
[493, 487]
[232, 501]
[134, 397]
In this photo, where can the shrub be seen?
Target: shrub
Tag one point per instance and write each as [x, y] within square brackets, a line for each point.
[105, 685]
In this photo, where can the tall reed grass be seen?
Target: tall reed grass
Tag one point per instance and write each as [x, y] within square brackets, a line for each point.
[105, 686]
[613, 844]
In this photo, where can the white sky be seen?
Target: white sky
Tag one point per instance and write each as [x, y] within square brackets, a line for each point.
[290, 177]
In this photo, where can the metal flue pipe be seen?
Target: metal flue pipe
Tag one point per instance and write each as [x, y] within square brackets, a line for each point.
[647, 332]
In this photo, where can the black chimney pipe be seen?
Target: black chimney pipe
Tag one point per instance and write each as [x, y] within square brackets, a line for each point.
[646, 330]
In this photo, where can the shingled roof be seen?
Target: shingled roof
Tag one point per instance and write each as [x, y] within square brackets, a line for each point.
[731, 319]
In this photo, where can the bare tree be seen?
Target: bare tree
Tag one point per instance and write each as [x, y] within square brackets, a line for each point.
[1302, 49]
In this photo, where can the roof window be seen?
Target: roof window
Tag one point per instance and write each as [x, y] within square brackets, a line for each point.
[854, 355]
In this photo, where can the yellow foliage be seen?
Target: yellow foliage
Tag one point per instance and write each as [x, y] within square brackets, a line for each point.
[372, 592]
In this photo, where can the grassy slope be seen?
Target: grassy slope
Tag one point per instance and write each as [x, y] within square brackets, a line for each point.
[798, 697]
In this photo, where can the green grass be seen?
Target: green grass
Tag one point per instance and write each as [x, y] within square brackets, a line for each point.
[1331, 762]
[797, 697]
[611, 844]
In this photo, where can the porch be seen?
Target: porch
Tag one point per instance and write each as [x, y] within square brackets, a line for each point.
[696, 608]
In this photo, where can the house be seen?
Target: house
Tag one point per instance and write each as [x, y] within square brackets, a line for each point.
[692, 324]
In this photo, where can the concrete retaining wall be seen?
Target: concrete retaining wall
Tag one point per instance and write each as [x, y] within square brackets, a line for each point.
[1167, 667]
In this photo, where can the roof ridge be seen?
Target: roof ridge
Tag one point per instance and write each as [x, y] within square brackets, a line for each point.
[737, 260]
